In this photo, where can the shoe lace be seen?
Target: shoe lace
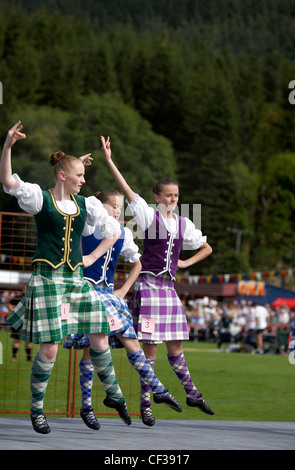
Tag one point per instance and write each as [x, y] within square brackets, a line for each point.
[147, 412]
[90, 417]
[40, 420]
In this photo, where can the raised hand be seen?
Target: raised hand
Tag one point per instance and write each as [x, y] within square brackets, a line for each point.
[6, 176]
[86, 159]
[106, 147]
[15, 134]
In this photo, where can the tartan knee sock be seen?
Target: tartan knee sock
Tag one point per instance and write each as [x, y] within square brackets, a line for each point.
[146, 372]
[180, 368]
[40, 374]
[86, 372]
[103, 366]
[145, 400]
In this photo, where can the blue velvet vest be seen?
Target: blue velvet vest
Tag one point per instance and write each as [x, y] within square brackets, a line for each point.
[104, 268]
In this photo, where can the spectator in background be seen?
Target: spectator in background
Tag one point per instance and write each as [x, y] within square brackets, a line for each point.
[284, 315]
[261, 314]
[16, 336]
[214, 326]
[198, 319]
[224, 334]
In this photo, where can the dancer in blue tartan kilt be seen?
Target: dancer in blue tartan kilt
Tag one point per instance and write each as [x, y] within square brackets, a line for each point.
[58, 301]
[158, 314]
[101, 275]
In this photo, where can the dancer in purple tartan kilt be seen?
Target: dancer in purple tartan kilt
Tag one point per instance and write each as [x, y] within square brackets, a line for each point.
[58, 301]
[101, 273]
[158, 314]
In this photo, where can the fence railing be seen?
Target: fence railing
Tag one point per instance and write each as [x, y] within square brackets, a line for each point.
[63, 396]
[17, 246]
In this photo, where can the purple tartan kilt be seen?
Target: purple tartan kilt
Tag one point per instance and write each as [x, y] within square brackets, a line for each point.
[155, 298]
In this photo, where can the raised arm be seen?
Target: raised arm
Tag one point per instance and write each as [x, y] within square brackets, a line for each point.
[120, 180]
[6, 177]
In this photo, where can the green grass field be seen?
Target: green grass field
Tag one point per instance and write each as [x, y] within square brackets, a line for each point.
[237, 386]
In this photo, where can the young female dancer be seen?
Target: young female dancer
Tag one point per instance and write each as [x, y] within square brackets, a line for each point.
[158, 314]
[101, 275]
[58, 301]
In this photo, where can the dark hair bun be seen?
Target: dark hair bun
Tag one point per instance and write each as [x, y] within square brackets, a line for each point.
[56, 156]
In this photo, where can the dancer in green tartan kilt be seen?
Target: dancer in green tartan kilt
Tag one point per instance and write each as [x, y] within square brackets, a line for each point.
[58, 301]
[47, 290]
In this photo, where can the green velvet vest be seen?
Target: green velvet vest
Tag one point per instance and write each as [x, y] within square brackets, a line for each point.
[59, 234]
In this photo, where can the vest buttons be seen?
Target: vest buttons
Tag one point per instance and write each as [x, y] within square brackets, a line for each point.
[63, 239]
[72, 229]
[62, 249]
[64, 228]
[65, 218]
[71, 239]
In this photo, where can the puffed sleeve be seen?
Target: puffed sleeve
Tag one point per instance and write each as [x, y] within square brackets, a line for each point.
[129, 249]
[29, 196]
[142, 212]
[98, 215]
[193, 236]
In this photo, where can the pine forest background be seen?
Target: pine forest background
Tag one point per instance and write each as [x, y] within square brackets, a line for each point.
[196, 90]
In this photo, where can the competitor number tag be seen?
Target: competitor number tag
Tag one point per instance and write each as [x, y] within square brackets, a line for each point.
[114, 322]
[65, 312]
[148, 325]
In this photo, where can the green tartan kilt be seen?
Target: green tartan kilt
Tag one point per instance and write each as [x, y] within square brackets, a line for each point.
[39, 311]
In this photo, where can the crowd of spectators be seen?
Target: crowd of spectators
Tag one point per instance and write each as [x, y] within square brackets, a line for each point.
[231, 325]
[240, 326]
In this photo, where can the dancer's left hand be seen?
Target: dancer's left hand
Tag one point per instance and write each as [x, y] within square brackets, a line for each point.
[86, 159]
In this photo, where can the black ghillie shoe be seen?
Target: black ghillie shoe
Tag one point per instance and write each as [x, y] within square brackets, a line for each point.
[199, 403]
[169, 400]
[121, 407]
[90, 419]
[40, 424]
[147, 416]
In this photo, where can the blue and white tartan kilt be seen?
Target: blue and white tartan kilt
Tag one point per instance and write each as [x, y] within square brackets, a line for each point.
[113, 305]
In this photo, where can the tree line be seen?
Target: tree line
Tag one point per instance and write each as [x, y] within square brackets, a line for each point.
[179, 97]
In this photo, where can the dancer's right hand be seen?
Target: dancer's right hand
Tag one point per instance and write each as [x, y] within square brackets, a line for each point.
[15, 134]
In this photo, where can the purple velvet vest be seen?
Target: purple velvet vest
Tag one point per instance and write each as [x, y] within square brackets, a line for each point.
[161, 249]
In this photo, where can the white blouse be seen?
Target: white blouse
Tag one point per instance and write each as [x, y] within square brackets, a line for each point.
[144, 216]
[30, 199]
